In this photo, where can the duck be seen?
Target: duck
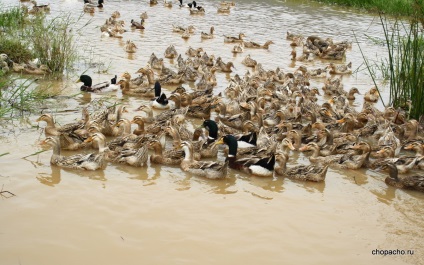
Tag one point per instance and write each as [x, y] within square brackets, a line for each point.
[90, 161]
[130, 47]
[208, 149]
[315, 173]
[238, 48]
[180, 29]
[144, 16]
[226, 67]
[89, 9]
[198, 10]
[138, 91]
[205, 35]
[416, 146]
[227, 3]
[255, 45]
[52, 130]
[340, 69]
[414, 182]
[186, 34]
[91, 4]
[44, 8]
[171, 52]
[352, 161]
[189, 5]
[315, 156]
[249, 62]
[198, 110]
[167, 4]
[153, 2]
[207, 169]
[303, 57]
[224, 9]
[137, 25]
[372, 95]
[352, 92]
[136, 156]
[231, 39]
[291, 36]
[170, 157]
[141, 129]
[160, 101]
[100, 87]
[257, 166]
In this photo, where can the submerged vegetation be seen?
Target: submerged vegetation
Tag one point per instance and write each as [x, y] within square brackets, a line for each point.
[32, 42]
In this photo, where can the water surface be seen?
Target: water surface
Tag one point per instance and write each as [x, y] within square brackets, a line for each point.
[161, 215]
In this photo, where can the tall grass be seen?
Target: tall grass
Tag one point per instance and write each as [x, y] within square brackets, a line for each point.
[11, 19]
[53, 42]
[50, 40]
[391, 7]
[24, 38]
[405, 65]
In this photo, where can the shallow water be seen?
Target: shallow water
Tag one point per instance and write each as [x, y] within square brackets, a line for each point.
[160, 215]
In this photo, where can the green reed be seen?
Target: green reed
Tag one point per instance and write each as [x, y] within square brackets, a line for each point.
[50, 40]
[53, 42]
[11, 19]
[392, 7]
[404, 67]
[18, 97]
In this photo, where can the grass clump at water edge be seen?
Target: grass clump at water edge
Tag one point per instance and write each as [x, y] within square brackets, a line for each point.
[404, 67]
[392, 7]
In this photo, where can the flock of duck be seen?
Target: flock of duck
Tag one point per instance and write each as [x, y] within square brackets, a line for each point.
[263, 118]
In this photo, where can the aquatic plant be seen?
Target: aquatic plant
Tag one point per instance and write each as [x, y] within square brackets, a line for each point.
[11, 19]
[405, 65]
[18, 96]
[50, 40]
[53, 42]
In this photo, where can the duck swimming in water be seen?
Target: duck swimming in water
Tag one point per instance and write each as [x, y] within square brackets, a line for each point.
[257, 166]
[137, 25]
[91, 4]
[100, 87]
[160, 101]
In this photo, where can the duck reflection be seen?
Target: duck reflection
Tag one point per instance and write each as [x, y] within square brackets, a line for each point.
[50, 179]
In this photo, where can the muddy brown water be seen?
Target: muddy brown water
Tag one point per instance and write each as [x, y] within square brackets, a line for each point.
[161, 215]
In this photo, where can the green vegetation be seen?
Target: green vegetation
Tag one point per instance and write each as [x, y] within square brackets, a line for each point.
[404, 41]
[404, 67]
[18, 97]
[51, 41]
[24, 38]
[392, 7]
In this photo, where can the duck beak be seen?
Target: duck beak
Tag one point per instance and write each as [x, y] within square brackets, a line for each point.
[38, 120]
[290, 145]
[341, 120]
[408, 147]
[78, 81]
[88, 140]
[303, 148]
[219, 141]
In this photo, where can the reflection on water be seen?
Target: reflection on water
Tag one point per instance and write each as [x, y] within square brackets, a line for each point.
[162, 215]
